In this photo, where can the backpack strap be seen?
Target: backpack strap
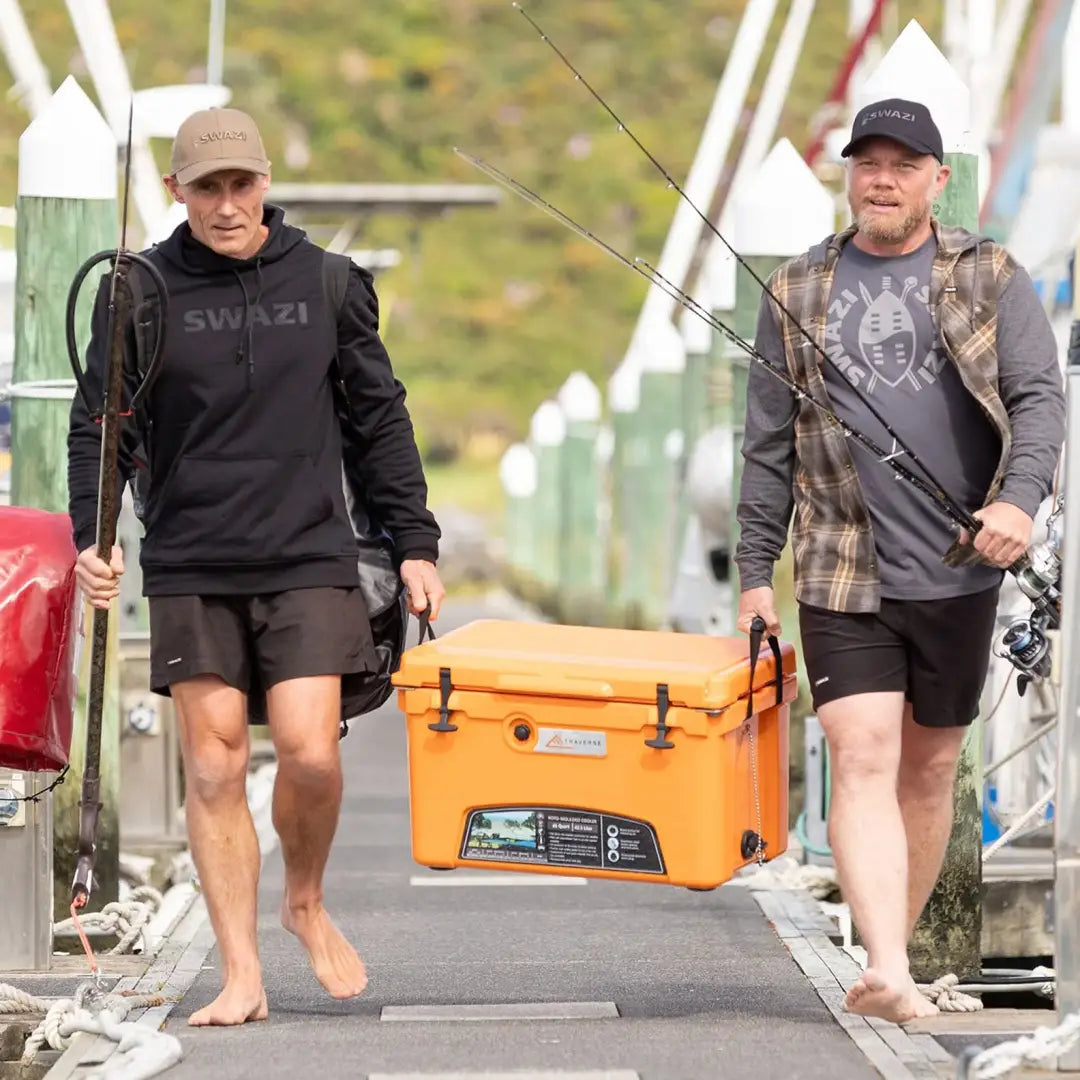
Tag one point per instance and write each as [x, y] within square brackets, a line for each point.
[335, 280]
[143, 326]
[143, 323]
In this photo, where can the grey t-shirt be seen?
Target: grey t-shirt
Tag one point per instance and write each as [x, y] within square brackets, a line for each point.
[881, 339]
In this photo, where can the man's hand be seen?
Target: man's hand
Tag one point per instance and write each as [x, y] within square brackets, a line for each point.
[98, 580]
[758, 601]
[1005, 533]
[422, 581]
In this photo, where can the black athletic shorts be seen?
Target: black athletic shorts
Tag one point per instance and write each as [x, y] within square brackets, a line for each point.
[285, 635]
[937, 652]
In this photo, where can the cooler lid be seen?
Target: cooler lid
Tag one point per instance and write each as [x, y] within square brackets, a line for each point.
[598, 663]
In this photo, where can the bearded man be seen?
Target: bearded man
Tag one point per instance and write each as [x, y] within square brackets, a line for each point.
[942, 333]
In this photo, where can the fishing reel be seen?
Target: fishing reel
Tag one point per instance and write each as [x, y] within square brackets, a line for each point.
[1038, 574]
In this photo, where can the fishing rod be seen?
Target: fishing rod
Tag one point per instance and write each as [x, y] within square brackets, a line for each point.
[106, 410]
[971, 524]
[1038, 571]
[954, 512]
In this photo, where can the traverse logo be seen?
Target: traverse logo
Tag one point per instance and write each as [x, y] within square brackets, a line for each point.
[568, 741]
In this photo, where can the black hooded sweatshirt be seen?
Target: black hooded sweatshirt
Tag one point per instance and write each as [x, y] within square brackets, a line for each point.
[244, 447]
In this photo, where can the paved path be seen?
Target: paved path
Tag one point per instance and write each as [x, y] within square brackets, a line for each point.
[698, 984]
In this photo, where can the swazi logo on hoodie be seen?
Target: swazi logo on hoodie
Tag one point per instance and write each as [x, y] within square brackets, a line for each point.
[232, 318]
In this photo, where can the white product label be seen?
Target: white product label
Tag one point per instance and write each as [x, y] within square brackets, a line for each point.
[568, 741]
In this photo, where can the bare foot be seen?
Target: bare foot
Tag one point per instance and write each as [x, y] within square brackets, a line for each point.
[236, 1004]
[334, 961]
[897, 1001]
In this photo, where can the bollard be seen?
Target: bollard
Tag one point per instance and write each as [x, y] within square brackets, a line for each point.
[720, 274]
[624, 393]
[581, 567]
[517, 472]
[650, 475]
[604, 450]
[547, 434]
[691, 593]
[698, 342]
[64, 215]
[26, 839]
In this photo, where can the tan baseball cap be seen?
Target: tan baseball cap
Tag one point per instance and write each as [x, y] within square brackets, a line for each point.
[215, 139]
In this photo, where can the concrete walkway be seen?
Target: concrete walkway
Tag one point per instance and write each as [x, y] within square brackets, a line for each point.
[662, 983]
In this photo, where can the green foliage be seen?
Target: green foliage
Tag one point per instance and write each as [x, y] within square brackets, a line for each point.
[490, 309]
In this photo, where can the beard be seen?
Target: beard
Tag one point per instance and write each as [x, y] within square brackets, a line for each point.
[892, 230]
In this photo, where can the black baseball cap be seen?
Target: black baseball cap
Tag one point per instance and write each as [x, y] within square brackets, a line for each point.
[907, 122]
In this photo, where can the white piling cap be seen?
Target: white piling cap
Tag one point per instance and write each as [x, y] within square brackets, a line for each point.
[783, 208]
[696, 332]
[579, 398]
[548, 427]
[658, 346]
[160, 110]
[915, 68]
[624, 389]
[517, 471]
[68, 151]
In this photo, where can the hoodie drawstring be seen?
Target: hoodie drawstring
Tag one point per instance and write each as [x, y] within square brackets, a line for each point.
[246, 347]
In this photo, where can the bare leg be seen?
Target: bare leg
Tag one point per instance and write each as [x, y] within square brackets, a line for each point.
[869, 845]
[304, 717]
[925, 791]
[213, 732]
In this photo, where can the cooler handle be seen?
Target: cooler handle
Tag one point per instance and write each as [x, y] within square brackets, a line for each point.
[757, 629]
[424, 618]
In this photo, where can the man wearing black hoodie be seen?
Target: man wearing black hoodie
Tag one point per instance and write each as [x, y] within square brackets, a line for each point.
[249, 559]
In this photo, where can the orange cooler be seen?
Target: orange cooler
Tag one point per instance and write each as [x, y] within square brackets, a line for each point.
[596, 752]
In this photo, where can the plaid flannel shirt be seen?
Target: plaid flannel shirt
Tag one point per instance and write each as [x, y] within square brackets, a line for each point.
[835, 564]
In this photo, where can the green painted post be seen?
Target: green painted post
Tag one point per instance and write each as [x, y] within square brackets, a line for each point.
[654, 494]
[604, 451]
[720, 271]
[697, 336]
[654, 447]
[624, 391]
[719, 288]
[581, 566]
[697, 341]
[948, 936]
[64, 215]
[547, 435]
[517, 471]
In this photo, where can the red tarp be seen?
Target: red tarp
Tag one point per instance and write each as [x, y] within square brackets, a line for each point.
[37, 638]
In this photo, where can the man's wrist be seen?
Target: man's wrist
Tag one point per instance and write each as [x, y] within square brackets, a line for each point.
[1025, 496]
[421, 555]
[756, 577]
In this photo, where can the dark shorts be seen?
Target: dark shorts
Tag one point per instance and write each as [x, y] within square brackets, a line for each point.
[936, 652]
[276, 636]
